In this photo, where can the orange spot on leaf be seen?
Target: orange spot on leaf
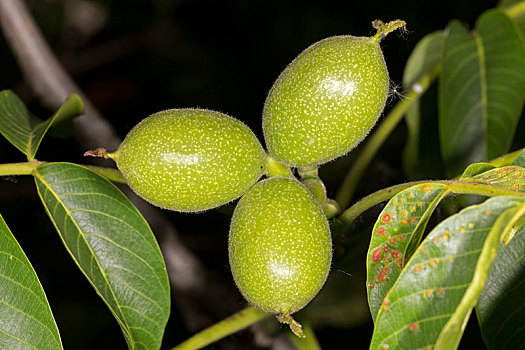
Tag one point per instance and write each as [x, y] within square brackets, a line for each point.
[371, 285]
[377, 255]
[382, 276]
[426, 188]
[440, 291]
[410, 195]
[413, 327]
[381, 231]
[419, 267]
[396, 254]
[386, 218]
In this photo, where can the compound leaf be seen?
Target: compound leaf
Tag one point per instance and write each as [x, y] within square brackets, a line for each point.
[396, 233]
[430, 302]
[112, 245]
[26, 320]
[24, 130]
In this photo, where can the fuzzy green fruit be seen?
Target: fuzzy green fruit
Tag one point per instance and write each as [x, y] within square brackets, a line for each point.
[190, 159]
[280, 247]
[327, 100]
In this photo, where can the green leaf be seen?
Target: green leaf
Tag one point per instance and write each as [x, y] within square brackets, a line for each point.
[423, 58]
[25, 131]
[431, 300]
[27, 321]
[514, 9]
[511, 177]
[482, 88]
[112, 245]
[519, 160]
[500, 306]
[475, 169]
[396, 233]
[450, 336]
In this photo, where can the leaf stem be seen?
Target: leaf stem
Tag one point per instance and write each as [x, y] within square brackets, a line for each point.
[109, 173]
[350, 214]
[28, 168]
[346, 190]
[455, 186]
[230, 325]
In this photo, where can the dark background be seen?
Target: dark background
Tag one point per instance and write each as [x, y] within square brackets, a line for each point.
[134, 58]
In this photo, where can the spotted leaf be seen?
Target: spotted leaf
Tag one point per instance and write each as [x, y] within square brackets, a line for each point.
[433, 297]
[396, 233]
[511, 177]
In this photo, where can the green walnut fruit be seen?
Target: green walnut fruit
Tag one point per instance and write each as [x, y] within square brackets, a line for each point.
[327, 100]
[280, 247]
[190, 159]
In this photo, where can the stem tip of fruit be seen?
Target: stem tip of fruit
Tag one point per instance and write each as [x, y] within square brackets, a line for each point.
[383, 29]
[295, 326]
[99, 152]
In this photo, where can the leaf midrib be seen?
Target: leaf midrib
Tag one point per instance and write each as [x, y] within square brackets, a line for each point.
[93, 256]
